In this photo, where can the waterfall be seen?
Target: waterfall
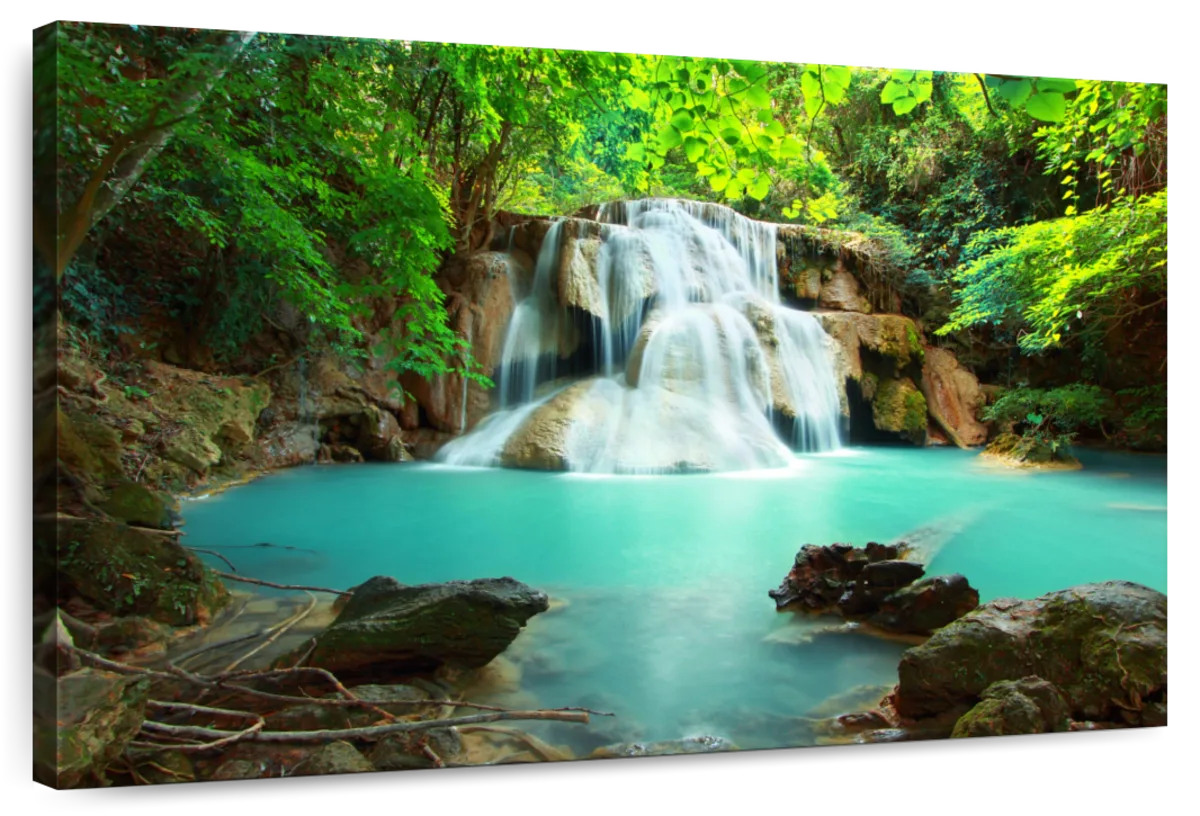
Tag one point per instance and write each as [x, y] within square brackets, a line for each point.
[306, 413]
[673, 309]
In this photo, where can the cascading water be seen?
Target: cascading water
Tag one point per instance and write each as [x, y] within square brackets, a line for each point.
[306, 413]
[696, 363]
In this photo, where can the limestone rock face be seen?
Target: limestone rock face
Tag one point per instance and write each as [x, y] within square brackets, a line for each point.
[841, 292]
[380, 437]
[953, 394]
[480, 303]
[542, 442]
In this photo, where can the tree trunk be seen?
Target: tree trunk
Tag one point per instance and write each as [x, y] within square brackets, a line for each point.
[129, 157]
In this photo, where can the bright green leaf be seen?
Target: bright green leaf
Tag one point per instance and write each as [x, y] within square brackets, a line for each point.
[761, 186]
[1050, 84]
[1048, 106]
[1015, 91]
[892, 91]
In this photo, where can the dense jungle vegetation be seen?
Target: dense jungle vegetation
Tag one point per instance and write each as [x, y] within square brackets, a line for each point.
[213, 182]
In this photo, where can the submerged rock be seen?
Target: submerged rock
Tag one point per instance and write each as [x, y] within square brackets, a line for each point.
[388, 629]
[687, 745]
[1103, 646]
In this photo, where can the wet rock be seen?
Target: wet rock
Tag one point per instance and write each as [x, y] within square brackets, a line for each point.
[98, 713]
[874, 583]
[1103, 646]
[687, 745]
[388, 629]
[926, 605]
[334, 758]
[379, 436]
[890, 574]
[1026, 706]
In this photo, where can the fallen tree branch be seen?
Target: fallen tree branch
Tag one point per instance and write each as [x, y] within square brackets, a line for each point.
[258, 582]
[369, 732]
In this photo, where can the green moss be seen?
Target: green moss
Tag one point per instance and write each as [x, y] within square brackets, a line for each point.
[1016, 450]
[138, 504]
[128, 572]
[899, 407]
[914, 343]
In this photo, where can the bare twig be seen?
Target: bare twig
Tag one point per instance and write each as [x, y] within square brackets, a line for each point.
[214, 552]
[258, 582]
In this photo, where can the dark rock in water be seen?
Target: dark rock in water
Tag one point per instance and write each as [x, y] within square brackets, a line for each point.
[891, 575]
[388, 629]
[334, 758]
[926, 605]
[883, 552]
[1103, 646]
[874, 583]
[1026, 706]
[687, 745]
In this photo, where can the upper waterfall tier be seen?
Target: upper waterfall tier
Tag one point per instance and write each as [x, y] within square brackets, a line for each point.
[671, 310]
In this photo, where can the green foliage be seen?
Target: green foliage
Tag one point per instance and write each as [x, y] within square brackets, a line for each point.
[1072, 278]
[1112, 139]
[1051, 417]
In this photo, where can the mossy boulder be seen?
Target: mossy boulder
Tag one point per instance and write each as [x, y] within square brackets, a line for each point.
[124, 571]
[137, 504]
[388, 629]
[1030, 705]
[1021, 451]
[98, 713]
[90, 449]
[1104, 646]
[899, 407]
